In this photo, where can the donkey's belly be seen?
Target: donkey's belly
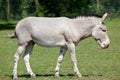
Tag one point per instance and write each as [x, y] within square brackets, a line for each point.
[50, 43]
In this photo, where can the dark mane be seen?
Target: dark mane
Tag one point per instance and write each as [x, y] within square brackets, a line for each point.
[87, 15]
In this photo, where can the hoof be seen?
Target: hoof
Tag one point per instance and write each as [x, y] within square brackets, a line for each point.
[15, 77]
[79, 75]
[57, 75]
[33, 75]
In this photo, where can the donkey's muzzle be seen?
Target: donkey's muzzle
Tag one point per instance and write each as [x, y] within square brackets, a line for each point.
[104, 46]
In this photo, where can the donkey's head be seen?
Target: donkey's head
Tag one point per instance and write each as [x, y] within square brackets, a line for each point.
[99, 33]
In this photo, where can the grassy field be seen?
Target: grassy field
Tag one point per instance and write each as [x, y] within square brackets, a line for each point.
[94, 63]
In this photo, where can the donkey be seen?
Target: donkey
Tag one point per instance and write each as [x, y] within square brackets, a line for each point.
[60, 32]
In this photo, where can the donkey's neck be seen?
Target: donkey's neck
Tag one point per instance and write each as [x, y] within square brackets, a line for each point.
[83, 28]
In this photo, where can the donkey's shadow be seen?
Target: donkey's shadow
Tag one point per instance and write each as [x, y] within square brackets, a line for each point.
[43, 75]
[53, 75]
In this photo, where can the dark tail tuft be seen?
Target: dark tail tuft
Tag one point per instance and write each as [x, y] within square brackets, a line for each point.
[13, 36]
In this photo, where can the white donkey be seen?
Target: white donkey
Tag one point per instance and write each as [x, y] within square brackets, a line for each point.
[57, 32]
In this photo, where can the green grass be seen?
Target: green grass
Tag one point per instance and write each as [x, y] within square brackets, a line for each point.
[94, 63]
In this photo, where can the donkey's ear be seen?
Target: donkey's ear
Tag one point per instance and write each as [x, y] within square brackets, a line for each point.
[104, 16]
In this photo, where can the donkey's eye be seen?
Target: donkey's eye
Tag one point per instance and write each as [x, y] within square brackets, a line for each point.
[103, 30]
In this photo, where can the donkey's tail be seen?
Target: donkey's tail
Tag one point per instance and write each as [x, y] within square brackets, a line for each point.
[13, 36]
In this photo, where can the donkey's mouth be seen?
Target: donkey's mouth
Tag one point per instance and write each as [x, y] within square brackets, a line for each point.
[104, 46]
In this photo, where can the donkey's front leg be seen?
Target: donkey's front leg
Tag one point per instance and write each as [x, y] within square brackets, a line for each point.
[71, 49]
[60, 58]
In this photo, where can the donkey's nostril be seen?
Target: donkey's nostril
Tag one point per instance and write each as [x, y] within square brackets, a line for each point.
[104, 46]
[107, 46]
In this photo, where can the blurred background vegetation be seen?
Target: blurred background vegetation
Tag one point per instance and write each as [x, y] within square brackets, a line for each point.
[13, 10]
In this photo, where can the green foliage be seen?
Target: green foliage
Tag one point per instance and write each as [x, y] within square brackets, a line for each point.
[3, 10]
[18, 9]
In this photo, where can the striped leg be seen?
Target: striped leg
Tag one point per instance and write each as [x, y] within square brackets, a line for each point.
[26, 56]
[16, 59]
[60, 58]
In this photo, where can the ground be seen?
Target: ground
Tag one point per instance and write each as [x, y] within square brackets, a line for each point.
[94, 63]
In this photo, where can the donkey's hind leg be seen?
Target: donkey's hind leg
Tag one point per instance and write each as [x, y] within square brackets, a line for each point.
[26, 56]
[16, 59]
